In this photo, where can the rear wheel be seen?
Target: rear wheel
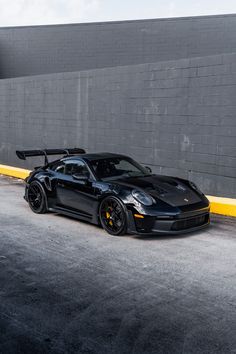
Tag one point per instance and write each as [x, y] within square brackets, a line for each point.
[112, 216]
[37, 198]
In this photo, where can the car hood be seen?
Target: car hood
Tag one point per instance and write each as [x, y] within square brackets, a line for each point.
[170, 190]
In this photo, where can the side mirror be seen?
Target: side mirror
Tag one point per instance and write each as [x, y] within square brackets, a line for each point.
[148, 168]
[80, 177]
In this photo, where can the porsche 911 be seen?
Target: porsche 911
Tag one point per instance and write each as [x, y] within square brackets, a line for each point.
[114, 191]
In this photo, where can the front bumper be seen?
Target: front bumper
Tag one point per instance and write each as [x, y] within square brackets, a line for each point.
[172, 225]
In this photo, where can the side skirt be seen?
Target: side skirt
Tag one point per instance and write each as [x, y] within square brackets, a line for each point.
[72, 214]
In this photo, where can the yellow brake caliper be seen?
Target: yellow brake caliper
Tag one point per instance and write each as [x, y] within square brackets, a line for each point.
[108, 216]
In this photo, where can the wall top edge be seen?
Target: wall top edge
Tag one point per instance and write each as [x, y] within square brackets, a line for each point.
[120, 21]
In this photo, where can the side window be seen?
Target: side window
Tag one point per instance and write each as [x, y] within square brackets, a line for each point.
[58, 167]
[125, 165]
[76, 167]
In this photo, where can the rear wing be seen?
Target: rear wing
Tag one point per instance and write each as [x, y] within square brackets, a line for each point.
[48, 152]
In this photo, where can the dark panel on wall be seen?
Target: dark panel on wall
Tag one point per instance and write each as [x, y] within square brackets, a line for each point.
[176, 116]
[63, 48]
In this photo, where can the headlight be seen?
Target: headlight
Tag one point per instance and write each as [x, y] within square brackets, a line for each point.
[193, 185]
[142, 197]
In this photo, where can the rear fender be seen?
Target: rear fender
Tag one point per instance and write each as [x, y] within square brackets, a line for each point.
[43, 188]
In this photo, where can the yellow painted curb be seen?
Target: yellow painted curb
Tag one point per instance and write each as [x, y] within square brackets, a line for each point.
[223, 206]
[14, 171]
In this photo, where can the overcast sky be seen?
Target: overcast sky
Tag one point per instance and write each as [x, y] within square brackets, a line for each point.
[39, 12]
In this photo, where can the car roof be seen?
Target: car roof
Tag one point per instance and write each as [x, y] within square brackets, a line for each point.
[93, 156]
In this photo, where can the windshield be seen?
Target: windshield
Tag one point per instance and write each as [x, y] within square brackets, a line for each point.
[118, 167]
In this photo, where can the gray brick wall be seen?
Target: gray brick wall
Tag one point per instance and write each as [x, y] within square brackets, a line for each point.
[179, 117]
[64, 48]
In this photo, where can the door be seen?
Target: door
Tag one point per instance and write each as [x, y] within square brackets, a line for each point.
[74, 194]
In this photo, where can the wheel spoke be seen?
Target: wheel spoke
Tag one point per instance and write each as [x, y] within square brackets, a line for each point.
[35, 197]
[112, 216]
[34, 190]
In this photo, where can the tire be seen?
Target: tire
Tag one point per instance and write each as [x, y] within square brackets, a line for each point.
[113, 216]
[37, 198]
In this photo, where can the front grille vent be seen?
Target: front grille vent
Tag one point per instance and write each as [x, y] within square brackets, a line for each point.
[190, 223]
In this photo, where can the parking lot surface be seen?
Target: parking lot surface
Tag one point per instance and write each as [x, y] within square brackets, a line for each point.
[68, 287]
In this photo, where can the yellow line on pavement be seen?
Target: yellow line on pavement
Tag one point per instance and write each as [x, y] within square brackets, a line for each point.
[223, 206]
[14, 171]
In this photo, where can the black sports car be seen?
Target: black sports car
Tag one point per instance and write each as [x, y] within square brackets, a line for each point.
[114, 191]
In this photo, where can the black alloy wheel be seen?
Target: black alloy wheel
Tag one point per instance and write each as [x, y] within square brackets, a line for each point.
[112, 216]
[37, 198]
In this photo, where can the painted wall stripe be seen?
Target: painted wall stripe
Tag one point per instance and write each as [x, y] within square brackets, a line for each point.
[223, 206]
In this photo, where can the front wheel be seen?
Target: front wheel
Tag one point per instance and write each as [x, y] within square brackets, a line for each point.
[37, 198]
[112, 216]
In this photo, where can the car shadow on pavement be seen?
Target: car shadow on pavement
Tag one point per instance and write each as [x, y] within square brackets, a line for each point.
[218, 222]
[171, 237]
[138, 236]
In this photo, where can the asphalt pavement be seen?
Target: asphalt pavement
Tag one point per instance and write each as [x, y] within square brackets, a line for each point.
[68, 287]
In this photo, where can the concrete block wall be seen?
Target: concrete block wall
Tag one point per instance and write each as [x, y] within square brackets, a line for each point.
[65, 48]
[177, 116]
